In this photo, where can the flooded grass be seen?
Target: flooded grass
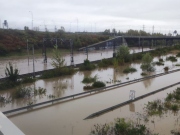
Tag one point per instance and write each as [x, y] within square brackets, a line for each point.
[158, 107]
[121, 127]
[129, 70]
[57, 72]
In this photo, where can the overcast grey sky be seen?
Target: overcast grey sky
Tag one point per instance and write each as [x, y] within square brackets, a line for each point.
[92, 15]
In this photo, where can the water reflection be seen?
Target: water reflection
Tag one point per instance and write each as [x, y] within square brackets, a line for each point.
[68, 85]
[147, 83]
[132, 107]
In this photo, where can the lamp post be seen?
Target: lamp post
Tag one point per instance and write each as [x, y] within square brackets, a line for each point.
[32, 19]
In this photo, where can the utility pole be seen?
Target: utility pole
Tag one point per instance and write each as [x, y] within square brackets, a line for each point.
[71, 45]
[87, 52]
[153, 30]
[33, 63]
[32, 19]
[77, 24]
[143, 27]
[28, 51]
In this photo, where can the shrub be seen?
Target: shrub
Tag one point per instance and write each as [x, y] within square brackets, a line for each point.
[160, 60]
[171, 58]
[166, 68]
[22, 92]
[178, 55]
[12, 73]
[123, 54]
[169, 97]
[3, 51]
[105, 63]
[129, 70]
[120, 127]
[39, 91]
[57, 72]
[27, 80]
[159, 63]
[174, 107]
[8, 84]
[147, 63]
[98, 84]
[177, 65]
[87, 87]
[87, 65]
[143, 74]
[89, 79]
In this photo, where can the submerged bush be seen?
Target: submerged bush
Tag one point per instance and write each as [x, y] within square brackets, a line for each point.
[105, 63]
[39, 91]
[129, 70]
[87, 80]
[4, 85]
[98, 84]
[175, 107]
[159, 63]
[23, 92]
[87, 65]
[11, 73]
[171, 58]
[27, 92]
[57, 72]
[178, 55]
[166, 68]
[143, 74]
[120, 127]
[27, 80]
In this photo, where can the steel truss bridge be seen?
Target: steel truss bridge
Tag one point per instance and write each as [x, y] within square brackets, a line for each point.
[139, 41]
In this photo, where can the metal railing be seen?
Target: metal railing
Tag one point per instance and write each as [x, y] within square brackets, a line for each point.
[89, 92]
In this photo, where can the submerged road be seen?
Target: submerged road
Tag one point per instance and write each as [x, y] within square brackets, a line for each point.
[67, 118]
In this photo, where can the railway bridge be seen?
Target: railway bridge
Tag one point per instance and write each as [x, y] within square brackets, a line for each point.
[133, 41]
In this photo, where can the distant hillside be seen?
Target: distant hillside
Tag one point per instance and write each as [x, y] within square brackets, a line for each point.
[16, 40]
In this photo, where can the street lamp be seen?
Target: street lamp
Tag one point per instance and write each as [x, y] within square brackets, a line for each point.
[32, 19]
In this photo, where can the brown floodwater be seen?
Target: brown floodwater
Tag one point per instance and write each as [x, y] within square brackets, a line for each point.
[67, 118]
[22, 62]
[69, 85]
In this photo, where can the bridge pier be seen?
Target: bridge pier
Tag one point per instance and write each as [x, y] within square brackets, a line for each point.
[142, 45]
[139, 41]
[152, 43]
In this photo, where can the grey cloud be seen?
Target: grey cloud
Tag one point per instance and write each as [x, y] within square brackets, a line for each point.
[121, 13]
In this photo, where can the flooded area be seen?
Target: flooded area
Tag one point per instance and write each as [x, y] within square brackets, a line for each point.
[22, 62]
[72, 84]
[66, 118]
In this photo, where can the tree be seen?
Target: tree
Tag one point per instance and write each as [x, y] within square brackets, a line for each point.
[175, 32]
[26, 28]
[123, 54]
[114, 32]
[107, 32]
[147, 63]
[57, 60]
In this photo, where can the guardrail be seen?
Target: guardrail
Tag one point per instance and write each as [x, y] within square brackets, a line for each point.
[88, 92]
[41, 72]
[127, 102]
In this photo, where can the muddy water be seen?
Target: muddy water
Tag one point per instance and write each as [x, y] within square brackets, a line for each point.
[68, 85]
[22, 62]
[67, 118]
